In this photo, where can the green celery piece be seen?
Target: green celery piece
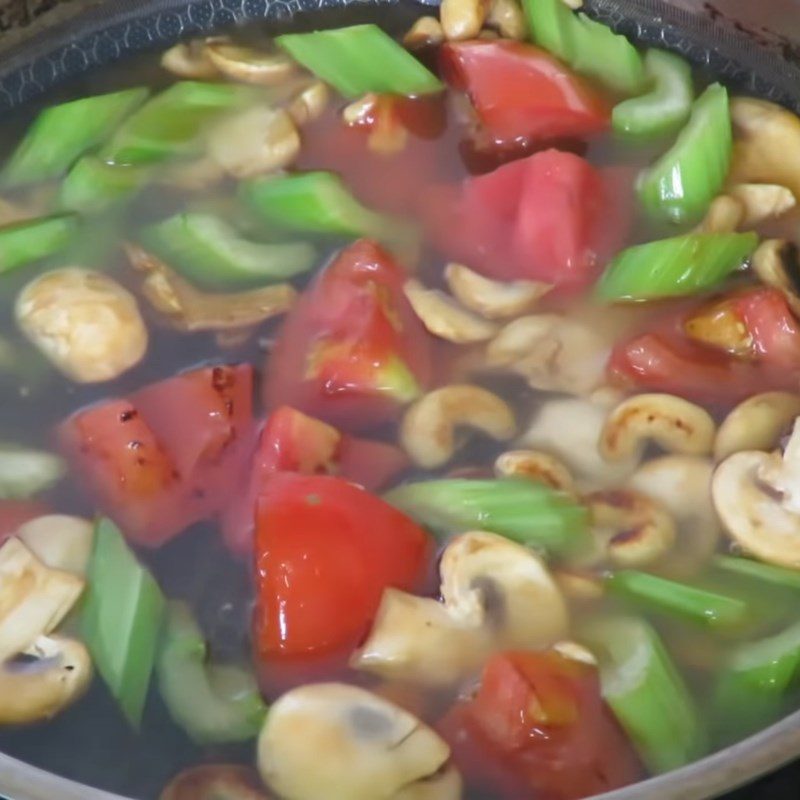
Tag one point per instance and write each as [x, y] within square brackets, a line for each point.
[524, 511]
[32, 240]
[674, 267]
[666, 107]
[587, 46]
[360, 59]
[61, 134]
[174, 122]
[214, 704]
[25, 473]
[769, 574]
[680, 186]
[93, 186]
[645, 691]
[752, 687]
[121, 621]
[208, 250]
[699, 606]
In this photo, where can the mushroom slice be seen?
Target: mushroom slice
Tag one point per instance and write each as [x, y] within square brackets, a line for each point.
[255, 141]
[425, 32]
[188, 309]
[724, 215]
[215, 782]
[33, 598]
[756, 424]
[755, 496]
[310, 103]
[52, 674]
[569, 429]
[682, 484]
[249, 65]
[493, 299]
[190, 60]
[59, 541]
[418, 639]
[777, 264]
[444, 317]
[762, 201]
[552, 352]
[677, 425]
[767, 144]
[364, 748]
[507, 17]
[536, 466]
[428, 429]
[87, 324]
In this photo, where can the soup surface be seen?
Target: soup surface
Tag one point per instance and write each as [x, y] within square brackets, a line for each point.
[398, 417]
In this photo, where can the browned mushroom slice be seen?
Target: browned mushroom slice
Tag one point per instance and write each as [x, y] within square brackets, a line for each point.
[215, 782]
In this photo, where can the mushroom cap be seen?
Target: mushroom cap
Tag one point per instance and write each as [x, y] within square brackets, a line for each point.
[215, 782]
[60, 541]
[777, 264]
[249, 65]
[342, 742]
[752, 514]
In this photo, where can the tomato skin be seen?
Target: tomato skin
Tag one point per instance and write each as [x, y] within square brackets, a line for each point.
[538, 727]
[522, 94]
[325, 550]
[549, 217]
[168, 456]
[352, 351]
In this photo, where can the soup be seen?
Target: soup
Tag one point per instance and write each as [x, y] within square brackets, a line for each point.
[398, 417]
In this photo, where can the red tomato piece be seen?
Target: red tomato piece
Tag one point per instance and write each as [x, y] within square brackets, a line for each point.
[15, 513]
[168, 456]
[325, 551]
[521, 93]
[549, 217]
[539, 727]
[351, 352]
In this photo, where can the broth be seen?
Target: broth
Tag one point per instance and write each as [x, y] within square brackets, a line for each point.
[91, 741]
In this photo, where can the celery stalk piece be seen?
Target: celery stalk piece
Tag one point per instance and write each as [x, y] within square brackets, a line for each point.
[174, 122]
[212, 703]
[645, 691]
[32, 240]
[61, 134]
[93, 186]
[690, 603]
[752, 688]
[666, 107]
[681, 184]
[25, 473]
[526, 512]
[769, 574]
[587, 46]
[674, 267]
[360, 59]
[121, 620]
[208, 250]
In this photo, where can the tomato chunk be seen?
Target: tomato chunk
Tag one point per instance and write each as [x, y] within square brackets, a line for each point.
[352, 352]
[539, 727]
[549, 217]
[169, 455]
[325, 550]
[291, 441]
[521, 93]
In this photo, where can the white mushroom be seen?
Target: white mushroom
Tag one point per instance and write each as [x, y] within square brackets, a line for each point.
[86, 323]
[757, 423]
[52, 674]
[683, 485]
[215, 782]
[552, 352]
[59, 541]
[34, 599]
[444, 317]
[496, 594]
[425, 32]
[724, 215]
[25, 472]
[429, 427]
[255, 141]
[507, 17]
[536, 466]
[777, 264]
[569, 429]
[675, 424]
[575, 652]
[362, 747]
[757, 497]
[579, 585]
[190, 60]
[762, 201]
[493, 299]
[462, 19]
[310, 103]
[249, 65]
